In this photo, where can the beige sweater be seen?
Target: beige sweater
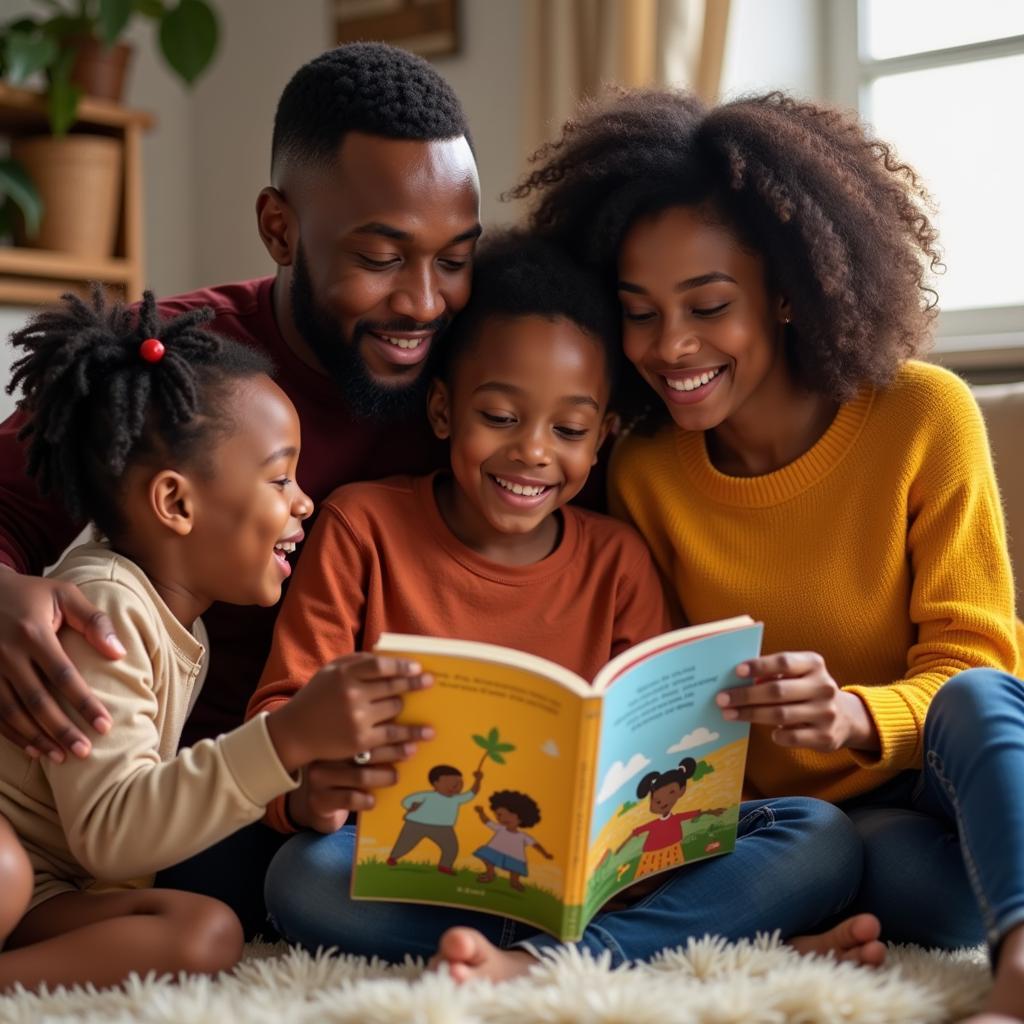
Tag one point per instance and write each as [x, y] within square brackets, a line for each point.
[135, 805]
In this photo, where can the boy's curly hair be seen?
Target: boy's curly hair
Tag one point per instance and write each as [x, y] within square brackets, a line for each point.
[840, 222]
[516, 275]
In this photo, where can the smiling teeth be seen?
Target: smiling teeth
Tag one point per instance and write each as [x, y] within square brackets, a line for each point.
[403, 342]
[691, 383]
[285, 546]
[525, 490]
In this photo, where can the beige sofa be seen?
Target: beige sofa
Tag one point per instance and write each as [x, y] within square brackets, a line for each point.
[1003, 407]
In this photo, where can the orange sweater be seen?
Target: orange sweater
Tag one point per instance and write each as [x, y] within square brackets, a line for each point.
[381, 559]
[882, 548]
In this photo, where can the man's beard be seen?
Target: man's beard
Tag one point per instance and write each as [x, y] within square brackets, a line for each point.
[341, 358]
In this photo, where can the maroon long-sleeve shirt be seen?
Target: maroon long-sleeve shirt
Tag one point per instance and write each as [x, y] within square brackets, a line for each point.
[336, 449]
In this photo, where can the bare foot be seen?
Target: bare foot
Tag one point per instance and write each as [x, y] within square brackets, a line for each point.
[855, 939]
[467, 955]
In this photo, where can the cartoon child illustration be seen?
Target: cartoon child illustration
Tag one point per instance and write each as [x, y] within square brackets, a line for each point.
[507, 848]
[663, 847]
[431, 814]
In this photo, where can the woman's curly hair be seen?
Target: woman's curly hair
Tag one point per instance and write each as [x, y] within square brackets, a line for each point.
[840, 222]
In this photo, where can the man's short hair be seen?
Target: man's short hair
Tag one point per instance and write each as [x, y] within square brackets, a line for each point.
[362, 87]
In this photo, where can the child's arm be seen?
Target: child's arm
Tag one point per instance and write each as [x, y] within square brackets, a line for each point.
[125, 812]
[540, 849]
[481, 813]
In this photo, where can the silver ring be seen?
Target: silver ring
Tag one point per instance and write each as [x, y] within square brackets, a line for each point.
[363, 757]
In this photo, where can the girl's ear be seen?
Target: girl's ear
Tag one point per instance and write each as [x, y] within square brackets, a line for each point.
[172, 502]
[783, 311]
[277, 226]
[439, 409]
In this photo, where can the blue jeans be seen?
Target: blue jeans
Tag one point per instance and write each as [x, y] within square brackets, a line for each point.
[797, 861]
[944, 847]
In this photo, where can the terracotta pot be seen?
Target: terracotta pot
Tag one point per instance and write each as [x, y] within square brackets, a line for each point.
[99, 70]
[79, 181]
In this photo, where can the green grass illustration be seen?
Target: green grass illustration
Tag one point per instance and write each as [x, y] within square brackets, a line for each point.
[420, 881]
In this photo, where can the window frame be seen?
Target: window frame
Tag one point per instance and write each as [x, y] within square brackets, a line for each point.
[991, 334]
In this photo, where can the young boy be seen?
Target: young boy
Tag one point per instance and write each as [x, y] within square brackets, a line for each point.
[488, 551]
[492, 552]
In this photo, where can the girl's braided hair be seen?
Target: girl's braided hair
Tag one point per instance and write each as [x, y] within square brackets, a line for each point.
[840, 222]
[95, 406]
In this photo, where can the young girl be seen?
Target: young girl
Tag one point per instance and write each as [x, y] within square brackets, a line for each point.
[663, 845]
[507, 847]
[492, 551]
[182, 451]
[792, 461]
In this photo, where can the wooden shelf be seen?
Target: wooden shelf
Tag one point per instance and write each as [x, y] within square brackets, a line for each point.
[34, 277]
[18, 261]
[25, 108]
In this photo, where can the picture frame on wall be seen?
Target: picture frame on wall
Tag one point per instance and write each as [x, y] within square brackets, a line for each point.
[429, 28]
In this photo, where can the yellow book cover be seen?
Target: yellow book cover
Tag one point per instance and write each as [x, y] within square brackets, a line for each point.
[544, 794]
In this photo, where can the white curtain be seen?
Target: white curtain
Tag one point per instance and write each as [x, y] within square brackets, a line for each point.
[575, 47]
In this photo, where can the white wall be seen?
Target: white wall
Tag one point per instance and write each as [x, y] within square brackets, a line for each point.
[775, 45]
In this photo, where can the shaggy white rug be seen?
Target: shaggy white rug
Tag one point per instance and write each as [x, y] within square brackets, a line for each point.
[707, 981]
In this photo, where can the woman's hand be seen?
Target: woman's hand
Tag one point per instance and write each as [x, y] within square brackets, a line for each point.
[794, 693]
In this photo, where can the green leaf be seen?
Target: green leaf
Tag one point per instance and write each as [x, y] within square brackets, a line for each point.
[20, 191]
[188, 38]
[480, 741]
[62, 99]
[113, 17]
[504, 747]
[492, 736]
[495, 756]
[25, 53]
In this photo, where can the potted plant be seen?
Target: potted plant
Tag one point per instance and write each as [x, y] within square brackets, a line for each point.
[76, 46]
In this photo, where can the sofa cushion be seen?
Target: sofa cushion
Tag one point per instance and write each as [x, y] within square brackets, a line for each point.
[1003, 408]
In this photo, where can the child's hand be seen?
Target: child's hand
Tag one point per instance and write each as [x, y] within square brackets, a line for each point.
[348, 707]
[331, 789]
[794, 693]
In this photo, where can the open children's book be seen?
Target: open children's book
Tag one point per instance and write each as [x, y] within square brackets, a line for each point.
[542, 794]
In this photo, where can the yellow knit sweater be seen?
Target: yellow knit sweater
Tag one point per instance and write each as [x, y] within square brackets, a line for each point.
[883, 548]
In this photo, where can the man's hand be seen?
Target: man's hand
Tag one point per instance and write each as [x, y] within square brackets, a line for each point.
[34, 667]
[330, 789]
[794, 693]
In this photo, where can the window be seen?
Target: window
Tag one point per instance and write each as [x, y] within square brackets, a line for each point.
[943, 80]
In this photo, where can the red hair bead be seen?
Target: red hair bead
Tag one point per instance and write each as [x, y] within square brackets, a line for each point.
[152, 350]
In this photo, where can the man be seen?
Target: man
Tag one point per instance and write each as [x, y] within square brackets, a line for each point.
[372, 217]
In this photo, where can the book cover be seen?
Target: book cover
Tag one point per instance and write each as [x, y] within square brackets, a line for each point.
[526, 802]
